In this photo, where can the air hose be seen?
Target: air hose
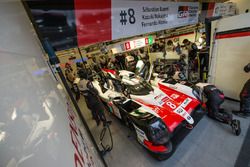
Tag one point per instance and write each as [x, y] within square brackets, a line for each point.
[106, 148]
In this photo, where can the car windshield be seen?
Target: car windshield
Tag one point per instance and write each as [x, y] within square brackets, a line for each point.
[142, 88]
[117, 85]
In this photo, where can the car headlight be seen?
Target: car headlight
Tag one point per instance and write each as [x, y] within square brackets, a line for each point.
[158, 132]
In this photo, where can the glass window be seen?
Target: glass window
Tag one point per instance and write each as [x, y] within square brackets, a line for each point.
[143, 88]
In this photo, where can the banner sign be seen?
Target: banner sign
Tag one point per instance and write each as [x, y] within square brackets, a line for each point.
[132, 44]
[130, 18]
[80, 22]
[138, 43]
[213, 9]
[224, 9]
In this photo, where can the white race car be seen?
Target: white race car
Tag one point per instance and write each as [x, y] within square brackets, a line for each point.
[161, 116]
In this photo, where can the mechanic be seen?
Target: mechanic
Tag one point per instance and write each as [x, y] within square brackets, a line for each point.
[103, 61]
[69, 73]
[191, 47]
[142, 55]
[80, 69]
[192, 58]
[215, 98]
[79, 66]
[82, 80]
[158, 46]
[170, 47]
[245, 97]
[120, 62]
[92, 99]
[162, 46]
[94, 103]
[130, 63]
[76, 90]
[203, 56]
[112, 63]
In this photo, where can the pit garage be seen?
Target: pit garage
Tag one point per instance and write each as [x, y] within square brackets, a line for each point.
[140, 83]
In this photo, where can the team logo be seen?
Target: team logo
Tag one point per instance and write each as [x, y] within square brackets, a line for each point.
[183, 12]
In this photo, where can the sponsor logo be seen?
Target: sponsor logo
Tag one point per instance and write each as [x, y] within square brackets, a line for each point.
[158, 96]
[186, 102]
[141, 136]
[183, 113]
[174, 96]
[183, 11]
[165, 99]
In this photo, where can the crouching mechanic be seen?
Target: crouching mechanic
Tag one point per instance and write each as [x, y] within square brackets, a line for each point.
[215, 98]
[245, 97]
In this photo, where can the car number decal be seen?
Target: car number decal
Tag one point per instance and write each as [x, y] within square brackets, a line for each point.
[171, 105]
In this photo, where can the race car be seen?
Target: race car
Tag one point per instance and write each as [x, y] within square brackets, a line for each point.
[208, 93]
[161, 117]
[182, 86]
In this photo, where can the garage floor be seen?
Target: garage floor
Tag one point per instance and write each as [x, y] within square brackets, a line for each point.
[210, 144]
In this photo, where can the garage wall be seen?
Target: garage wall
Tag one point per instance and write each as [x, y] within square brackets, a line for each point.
[229, 56]
[190, 37]
[242, 5]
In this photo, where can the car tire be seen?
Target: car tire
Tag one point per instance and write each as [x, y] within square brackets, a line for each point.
[162, 157]
[127, 122]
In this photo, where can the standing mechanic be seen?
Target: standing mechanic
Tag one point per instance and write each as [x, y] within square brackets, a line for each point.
[92, 99]
[245, 97]
[76, 90]
[170, 46]
[192, 58]
[203, 57]
[69, 73]
[192, 49]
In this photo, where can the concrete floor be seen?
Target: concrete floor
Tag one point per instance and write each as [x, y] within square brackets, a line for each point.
[210, 144]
